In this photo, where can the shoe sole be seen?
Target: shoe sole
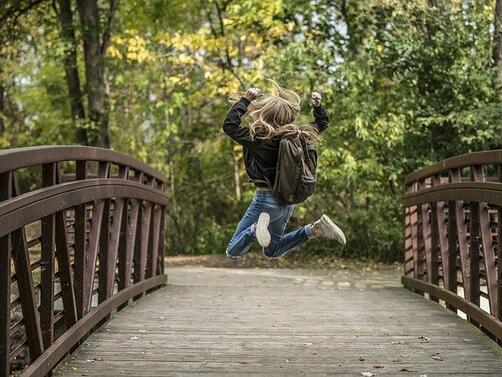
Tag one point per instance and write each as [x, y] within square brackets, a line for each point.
[262, 233]
[339, 235]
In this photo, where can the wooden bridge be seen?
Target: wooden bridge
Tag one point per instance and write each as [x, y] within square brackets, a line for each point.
[81, 243]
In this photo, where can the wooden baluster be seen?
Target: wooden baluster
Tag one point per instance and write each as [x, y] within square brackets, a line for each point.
[414, 234]
[461, 235]
[125, 263]
[31, 317]
[162, 239]
[80, 243]
[104, 172]
[427, 235]
[476, 174]
[115, 231]
[64, 268]
[421, 265]
[144, 238]
[439, 215]
[154, 252]
[5, 276]
[452, 249]
[498, 312]
[434, 246]
[487, 245]
[47, 266]
[97, 225]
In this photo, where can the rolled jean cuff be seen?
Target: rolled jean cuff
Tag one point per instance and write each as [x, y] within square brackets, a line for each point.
[308, 231]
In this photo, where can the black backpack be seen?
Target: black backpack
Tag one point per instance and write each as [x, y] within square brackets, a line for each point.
[295, 178]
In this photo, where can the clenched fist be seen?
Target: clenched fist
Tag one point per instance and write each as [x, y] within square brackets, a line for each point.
[253, 93]
[316, 99]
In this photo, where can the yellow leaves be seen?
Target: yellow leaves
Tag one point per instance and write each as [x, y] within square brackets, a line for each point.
[173, 80]
[134, 48]
[114, 52]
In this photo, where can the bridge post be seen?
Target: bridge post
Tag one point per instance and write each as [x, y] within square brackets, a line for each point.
[5, 276]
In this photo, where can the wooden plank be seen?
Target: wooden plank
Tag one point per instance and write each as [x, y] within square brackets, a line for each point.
[461, 235]
[262, 324]
[31, 317]
[487, 245]
[80, 243]
[47, 266]
[5, 276]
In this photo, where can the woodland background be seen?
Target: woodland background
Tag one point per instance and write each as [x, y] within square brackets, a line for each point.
[406, 83]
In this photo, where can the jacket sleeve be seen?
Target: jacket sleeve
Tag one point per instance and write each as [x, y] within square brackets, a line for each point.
[321, 119]
[231, 124]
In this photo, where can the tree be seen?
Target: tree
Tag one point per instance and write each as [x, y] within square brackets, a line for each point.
[497, 39]
[71, 70]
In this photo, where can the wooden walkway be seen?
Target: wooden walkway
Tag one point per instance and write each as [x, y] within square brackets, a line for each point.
[284, 322]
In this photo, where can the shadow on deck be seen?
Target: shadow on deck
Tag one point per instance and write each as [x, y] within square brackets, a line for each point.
[284, 322]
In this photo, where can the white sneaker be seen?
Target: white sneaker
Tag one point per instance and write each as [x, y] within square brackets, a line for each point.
[262, 233]
[329, 229]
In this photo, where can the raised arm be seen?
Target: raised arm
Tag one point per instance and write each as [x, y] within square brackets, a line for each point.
[231, 124]
[321, 119]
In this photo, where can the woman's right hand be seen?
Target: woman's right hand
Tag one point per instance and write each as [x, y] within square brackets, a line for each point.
[253, 93]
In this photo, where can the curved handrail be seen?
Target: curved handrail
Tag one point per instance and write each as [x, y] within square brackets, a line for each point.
[104, 229]
[16, 158]
[29, 207]
[457, 162]
[450, 223]
[487, 192]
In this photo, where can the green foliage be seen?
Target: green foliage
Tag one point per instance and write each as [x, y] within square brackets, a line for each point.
[404, 84]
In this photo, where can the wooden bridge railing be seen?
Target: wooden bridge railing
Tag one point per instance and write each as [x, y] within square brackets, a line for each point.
[81, 233]
[453, 244]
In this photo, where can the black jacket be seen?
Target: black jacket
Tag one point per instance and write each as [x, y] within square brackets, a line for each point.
[260, 156]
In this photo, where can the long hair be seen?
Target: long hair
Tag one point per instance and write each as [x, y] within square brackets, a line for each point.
[273, 116]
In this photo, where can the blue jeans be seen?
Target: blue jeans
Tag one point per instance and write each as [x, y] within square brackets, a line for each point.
[280, 244]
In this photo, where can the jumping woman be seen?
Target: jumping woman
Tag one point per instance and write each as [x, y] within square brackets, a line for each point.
[272, 117]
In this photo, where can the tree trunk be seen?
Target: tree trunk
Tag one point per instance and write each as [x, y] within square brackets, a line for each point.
[2, 95]
[497, 40]
[96, 88]
[237, 178]
[71, 71]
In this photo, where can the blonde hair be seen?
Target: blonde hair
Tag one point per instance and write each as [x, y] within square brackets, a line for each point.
[272, 115]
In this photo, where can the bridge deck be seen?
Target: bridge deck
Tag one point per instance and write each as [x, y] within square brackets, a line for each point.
[284, 322]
